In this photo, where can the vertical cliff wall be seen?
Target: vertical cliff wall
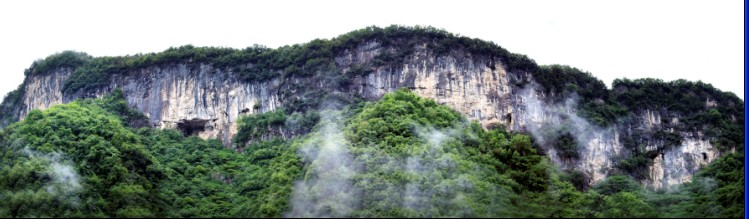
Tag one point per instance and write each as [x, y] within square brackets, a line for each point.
[200, 99]
[193, 98]
[674, 164]
[43, 91]
[477, 88]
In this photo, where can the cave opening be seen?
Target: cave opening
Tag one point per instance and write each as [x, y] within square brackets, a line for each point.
[191, 127]
[704, 156]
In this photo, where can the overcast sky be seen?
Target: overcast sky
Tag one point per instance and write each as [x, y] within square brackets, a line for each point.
[693, 40]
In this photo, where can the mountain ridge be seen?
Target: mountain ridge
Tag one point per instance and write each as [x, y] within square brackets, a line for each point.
[204, 91]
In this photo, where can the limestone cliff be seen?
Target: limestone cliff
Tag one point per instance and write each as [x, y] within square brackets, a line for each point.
[194, 98]
[43, 91]
[205, 100]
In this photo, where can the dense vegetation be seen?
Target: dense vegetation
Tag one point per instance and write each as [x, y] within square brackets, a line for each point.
[77, 160]
[259, 63]
[81, 159]
[409, 157]
[699, 109]
[65, 59]
[402, 156]
[562, 82]
[698, 106]
[9, 107]
[695, 108]
[315, 63]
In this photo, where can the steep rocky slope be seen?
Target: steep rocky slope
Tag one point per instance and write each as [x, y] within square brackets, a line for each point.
[476, 78]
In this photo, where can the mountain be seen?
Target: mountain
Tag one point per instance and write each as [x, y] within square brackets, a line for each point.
[660, 133]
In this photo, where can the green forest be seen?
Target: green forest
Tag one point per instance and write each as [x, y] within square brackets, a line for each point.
[401, 156]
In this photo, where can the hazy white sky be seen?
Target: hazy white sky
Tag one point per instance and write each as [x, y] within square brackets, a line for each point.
[694, 40]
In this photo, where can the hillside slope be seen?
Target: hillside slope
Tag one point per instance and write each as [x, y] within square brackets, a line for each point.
[402, 156]
[659, 132]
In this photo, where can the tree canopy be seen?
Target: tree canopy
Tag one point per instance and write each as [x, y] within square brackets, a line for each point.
[401, 156]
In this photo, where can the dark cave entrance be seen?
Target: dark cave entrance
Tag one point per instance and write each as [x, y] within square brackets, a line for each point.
[191, 127]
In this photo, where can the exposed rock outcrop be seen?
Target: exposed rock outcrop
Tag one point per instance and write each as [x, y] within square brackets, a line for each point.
[199, 99]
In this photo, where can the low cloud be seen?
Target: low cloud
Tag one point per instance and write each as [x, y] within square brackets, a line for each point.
[65, 183]
[327, 190]
[546, 122]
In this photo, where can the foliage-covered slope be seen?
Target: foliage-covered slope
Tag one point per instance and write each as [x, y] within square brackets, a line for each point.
[76, 159]
[401, 156]
[80, 159]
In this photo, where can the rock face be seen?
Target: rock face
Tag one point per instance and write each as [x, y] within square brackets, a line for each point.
[199, 99]
[598, 148]
[675, 164]
[479, 89]
[194, 98]
[43, 91]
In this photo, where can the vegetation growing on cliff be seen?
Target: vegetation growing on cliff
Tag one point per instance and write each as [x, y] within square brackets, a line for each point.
[698, 106]
[96, 158]
[10, 105]
[409, 157]
[259, 63]
[315, 61]
[65, 59]
[73, 160]
[80, 159]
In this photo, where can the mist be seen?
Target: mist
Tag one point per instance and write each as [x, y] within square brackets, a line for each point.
[327, 189]
[547, 122]
[65, 181]
[428, 179]
[437, 174]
